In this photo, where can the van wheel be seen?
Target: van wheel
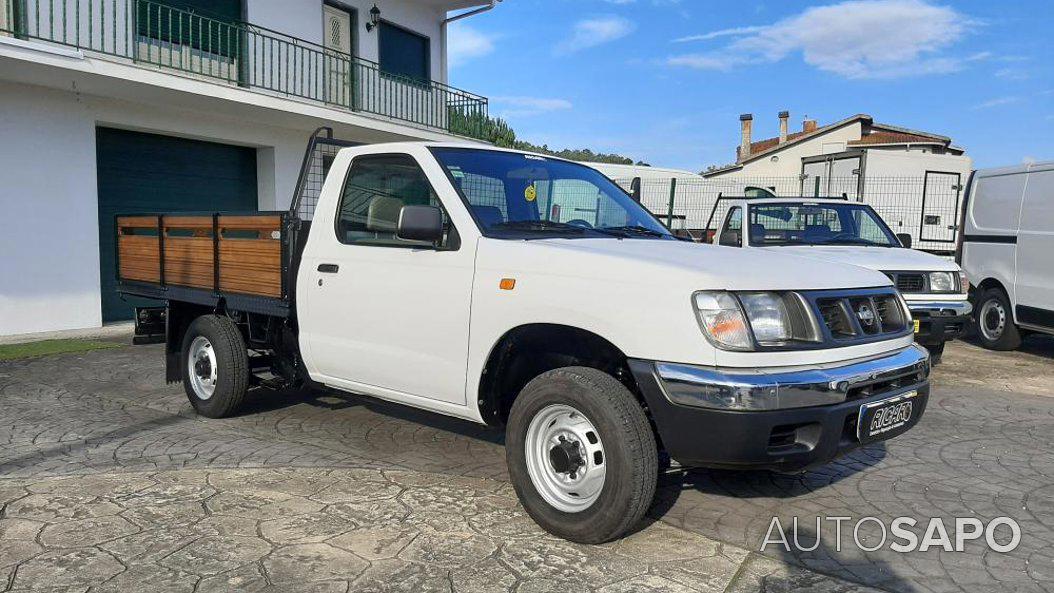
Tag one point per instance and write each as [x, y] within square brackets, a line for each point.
[215, 366]
[581, 455]
[995, 321]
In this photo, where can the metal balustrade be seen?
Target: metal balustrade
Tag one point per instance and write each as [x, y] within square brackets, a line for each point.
[152, 34]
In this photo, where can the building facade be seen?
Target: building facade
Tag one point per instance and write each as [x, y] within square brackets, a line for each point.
[111, 106]
[914, 179]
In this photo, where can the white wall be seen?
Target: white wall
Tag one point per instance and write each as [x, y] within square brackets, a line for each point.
[49, 251]
[303, 19]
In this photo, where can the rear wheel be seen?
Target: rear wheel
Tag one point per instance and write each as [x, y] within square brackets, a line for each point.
[215, 366]
[581, 455]
[995, 322]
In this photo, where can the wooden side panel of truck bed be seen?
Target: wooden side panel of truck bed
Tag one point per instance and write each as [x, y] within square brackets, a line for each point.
[239, 254]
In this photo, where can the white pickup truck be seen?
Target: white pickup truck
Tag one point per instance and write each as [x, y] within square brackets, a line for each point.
[530, 293]
[836, 230]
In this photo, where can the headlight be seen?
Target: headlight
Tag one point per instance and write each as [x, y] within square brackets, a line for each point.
[775, 318]
[768, 316]
[942, 282]
[722, 320]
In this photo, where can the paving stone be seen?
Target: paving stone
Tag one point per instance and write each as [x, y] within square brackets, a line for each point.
[244, 579]
[312, 562]
[449, 550]
[303, 529]
[149, 579]
[213, 555]
[400, 576]
[67, 568]
[377, 543]
[86, 532]
[260, 504]
[12, 529]
[49, 508]
[15, 551]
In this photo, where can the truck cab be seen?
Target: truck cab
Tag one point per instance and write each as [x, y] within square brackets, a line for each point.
[532, 294]
[837, 230]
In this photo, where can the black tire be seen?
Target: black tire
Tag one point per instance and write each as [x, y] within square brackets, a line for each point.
[629, 453]
[991, 302]
[936, 352]
[232, 366]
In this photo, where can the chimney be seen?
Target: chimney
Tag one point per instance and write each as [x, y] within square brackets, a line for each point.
[784, 116]
[746, 122]
[808, 125]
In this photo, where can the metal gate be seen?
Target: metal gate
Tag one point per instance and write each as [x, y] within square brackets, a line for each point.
[940, 206]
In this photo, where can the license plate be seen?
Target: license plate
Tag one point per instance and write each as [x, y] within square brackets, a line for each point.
[882, 417]
[916, 326]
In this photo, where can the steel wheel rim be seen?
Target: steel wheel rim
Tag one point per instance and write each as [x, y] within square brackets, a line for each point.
[992, 320]
[202, 368]
[562, 428]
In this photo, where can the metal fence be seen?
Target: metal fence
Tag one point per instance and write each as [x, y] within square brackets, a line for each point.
[242, 54]
[927, 208]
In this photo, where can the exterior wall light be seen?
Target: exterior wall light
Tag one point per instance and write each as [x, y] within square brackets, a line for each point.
[375, 18]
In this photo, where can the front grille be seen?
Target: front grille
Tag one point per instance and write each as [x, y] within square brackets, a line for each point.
[836, 318]
[860, 316]
[908, 282]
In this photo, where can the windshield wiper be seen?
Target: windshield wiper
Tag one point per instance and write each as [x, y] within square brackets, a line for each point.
[538, 225]
[630, 230]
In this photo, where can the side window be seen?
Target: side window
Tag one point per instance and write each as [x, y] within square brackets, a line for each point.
[375, 191]
[868, 229]
[732, 232]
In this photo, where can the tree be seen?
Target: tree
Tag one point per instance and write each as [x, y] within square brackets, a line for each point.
[499, 133]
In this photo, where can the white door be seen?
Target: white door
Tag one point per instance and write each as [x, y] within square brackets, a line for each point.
[383, 315]
[339, 69]
[1035, 244]
[814, 179]
[940, 207]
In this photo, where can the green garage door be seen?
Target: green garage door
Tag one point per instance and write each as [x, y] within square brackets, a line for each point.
[147, 173]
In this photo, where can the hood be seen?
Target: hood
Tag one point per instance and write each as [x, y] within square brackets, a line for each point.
[698, 265]
[889, 259]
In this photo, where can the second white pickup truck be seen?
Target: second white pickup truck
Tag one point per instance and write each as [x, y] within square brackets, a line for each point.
[837, 230]
[531, 293]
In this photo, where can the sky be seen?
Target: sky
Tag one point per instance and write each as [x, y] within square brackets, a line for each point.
[666, 80]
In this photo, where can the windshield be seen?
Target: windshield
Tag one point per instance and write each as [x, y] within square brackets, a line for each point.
[515, 195]
[818, 224]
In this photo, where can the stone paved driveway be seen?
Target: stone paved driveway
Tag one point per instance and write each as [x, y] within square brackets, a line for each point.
[108, 481]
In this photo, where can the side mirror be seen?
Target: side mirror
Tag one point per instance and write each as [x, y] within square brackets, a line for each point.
[420, 223]
[905, 239]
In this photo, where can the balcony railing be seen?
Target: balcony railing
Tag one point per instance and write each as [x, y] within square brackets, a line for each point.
[156, 35]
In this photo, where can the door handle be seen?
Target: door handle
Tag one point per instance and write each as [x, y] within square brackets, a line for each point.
[328, 268]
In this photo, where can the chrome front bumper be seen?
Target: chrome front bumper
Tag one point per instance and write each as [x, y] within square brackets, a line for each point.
[762, 389]
[941, 308]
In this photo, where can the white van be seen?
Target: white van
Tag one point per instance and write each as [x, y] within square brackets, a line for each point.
[1007, 252]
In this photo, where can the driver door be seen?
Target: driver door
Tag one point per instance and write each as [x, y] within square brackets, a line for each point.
[388, 317]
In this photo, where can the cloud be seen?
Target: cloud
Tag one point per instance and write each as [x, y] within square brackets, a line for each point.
[853, 39]
[732, 32]
[1012, 74]
[528, 106]
[465, 43]
[997, 102]
[595, 31]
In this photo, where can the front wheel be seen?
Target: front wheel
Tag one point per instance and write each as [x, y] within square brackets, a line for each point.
[581, 455]
[995, 322]
[215, 366]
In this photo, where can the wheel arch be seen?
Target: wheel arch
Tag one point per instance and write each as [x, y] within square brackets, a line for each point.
[528, 350]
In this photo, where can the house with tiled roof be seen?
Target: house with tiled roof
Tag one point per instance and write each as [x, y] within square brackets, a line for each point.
[916, 177]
